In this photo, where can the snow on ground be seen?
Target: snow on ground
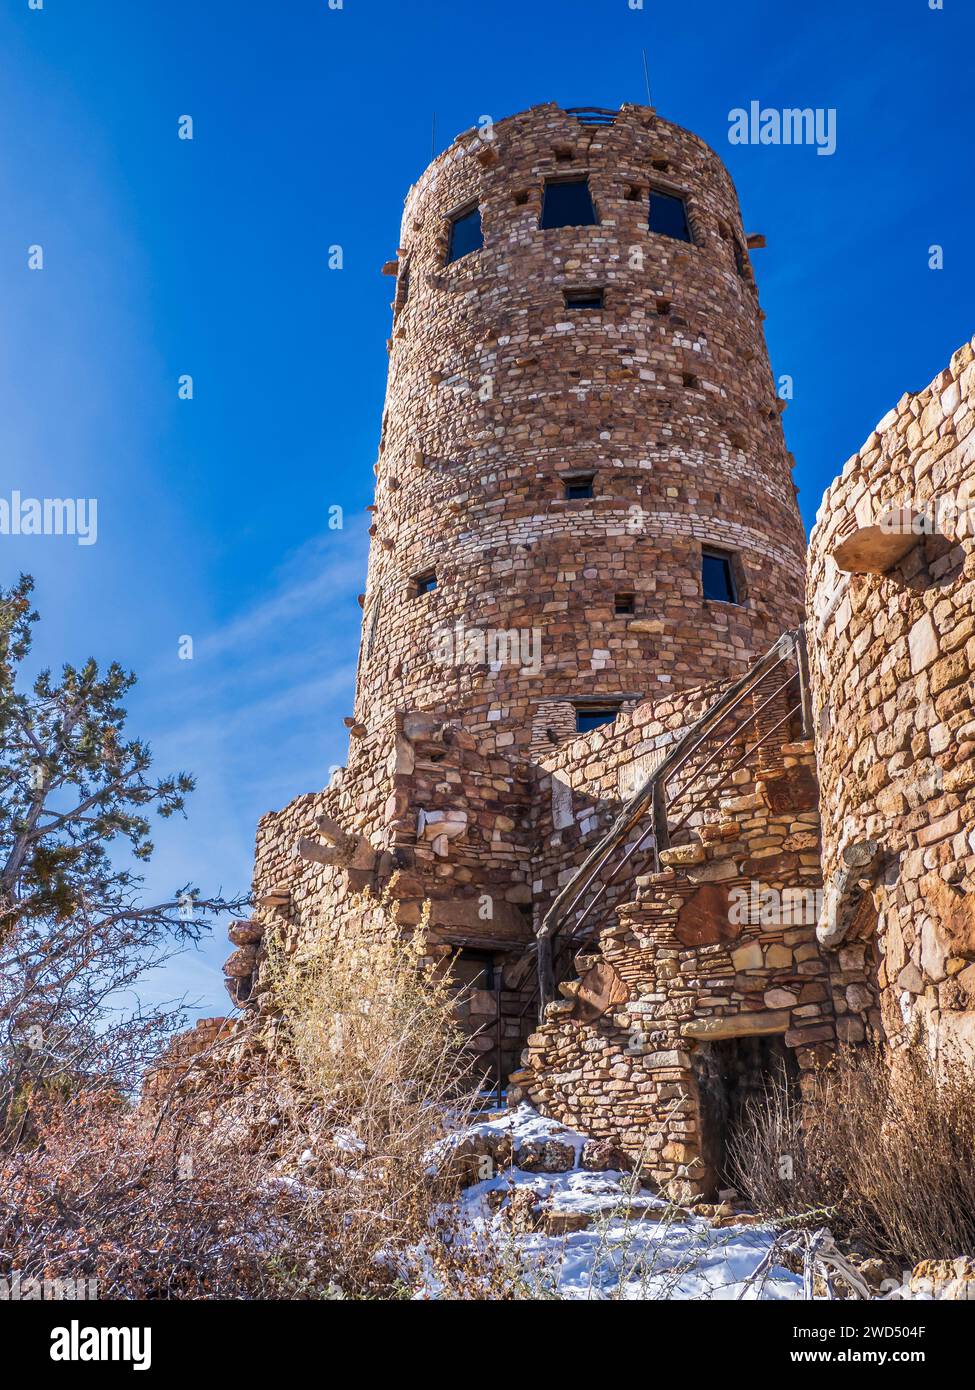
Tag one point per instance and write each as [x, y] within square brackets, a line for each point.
[637, 1247]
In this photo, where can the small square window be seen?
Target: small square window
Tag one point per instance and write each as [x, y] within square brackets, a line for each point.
[568, 203]
[578, 487]
[465, 234]
[625, 603]
[592, 716]
[584, 299]
[717, 577]
[424, 583]
[668, 216]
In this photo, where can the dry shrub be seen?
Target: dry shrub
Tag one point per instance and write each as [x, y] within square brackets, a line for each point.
[294, 1166]
[149, 1212]
[372, 1035]
[886, 1148]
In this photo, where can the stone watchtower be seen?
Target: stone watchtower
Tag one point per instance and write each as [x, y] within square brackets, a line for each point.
[582, 752]
[584, 526]
[583, 494]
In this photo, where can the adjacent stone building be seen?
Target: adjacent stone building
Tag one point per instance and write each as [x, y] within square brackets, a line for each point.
[892, 633]
[586, 728]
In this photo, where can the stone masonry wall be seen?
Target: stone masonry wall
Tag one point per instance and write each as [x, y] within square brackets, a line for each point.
[719, 945]
[498, 394]
[892, 631]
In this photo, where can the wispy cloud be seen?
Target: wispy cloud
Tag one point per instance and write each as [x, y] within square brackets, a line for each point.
[256, 715]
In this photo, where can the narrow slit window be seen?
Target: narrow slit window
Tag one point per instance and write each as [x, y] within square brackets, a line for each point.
[578, 487]
[592, 716]
[740, 260]
[583, 299]
[424, 583]
[465, 234]
[668, 216]
[568, 203]
[624, 604]
[718, 577]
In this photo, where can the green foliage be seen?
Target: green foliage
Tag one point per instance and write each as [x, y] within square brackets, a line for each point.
[71, 785]
[75, 937]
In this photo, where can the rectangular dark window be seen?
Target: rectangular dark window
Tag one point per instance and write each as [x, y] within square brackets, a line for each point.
[584, 299]
[740, 260]
[474, 970]
[591, 716]
[567, 203]
[579, 487]
[625, 603]
[668, 216]
[717, 577]
[424, 583]
[465, 234]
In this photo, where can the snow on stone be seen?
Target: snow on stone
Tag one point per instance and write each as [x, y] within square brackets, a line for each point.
[637, 1246]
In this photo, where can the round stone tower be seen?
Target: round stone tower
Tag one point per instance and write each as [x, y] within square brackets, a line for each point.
[583, 493]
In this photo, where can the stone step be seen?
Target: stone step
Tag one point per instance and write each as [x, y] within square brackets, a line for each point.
[656, 880]
[720, 830]
[585, 960]
[559, 1008]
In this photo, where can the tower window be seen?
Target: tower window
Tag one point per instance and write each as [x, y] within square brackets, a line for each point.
[584, 299]
[740, 260]
[579, 486]
[590, 716]
[718, 577]
[424, 583]
[668, 216]
[568, 203]
[625, 603]
[465, 234]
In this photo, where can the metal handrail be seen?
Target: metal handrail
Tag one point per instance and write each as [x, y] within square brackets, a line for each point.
[651, 795]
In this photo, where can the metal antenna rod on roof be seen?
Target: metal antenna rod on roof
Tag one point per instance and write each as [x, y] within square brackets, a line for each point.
[646, 77]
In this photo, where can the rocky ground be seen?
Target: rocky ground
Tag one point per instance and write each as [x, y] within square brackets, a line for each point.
[568, 1212]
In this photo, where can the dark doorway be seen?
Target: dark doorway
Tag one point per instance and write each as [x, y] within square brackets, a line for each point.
[731, 1074]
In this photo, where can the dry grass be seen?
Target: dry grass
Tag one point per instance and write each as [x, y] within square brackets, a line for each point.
[383, 1079]
[888, 1152]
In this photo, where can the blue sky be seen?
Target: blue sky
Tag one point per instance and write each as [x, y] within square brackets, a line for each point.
[164, 257]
